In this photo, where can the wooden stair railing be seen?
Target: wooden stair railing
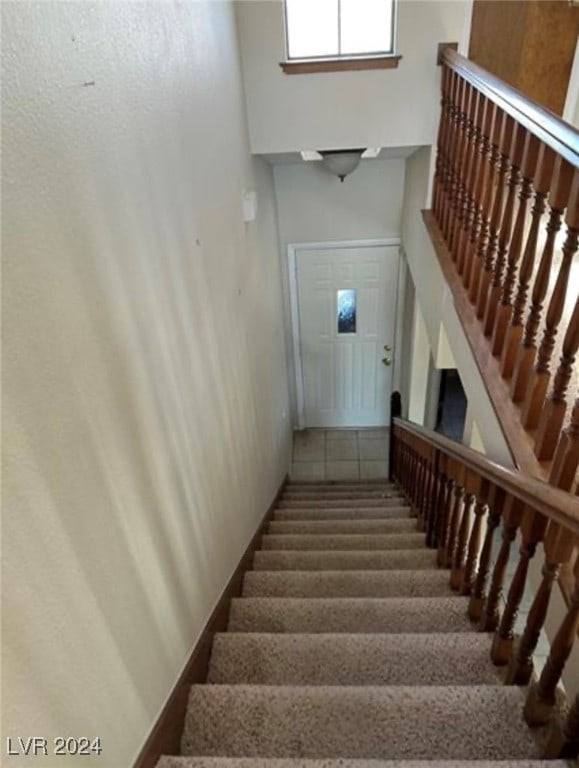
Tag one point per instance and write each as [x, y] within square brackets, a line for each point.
[460, 498]
[506, 186]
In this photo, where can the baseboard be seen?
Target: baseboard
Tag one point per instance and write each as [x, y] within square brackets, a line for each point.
[165, 736]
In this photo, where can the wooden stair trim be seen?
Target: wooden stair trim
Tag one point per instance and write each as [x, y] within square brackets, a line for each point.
[165, 735]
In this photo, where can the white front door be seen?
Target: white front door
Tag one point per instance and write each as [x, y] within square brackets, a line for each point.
[346, 304]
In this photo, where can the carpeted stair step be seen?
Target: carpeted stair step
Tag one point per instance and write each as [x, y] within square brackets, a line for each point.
[318, 503]
[343, 513]
[354, 615]
[393, 525]
[344, 541]
[398, 722]
[376, 483]
[361, 560]
[346, 584]
[374, 659]
[349, 494]
[172, 761]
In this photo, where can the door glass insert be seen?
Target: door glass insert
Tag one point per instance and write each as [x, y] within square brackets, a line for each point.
[346, 310]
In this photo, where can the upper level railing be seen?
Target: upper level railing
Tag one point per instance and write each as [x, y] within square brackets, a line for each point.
[506, 204]
[460, 499]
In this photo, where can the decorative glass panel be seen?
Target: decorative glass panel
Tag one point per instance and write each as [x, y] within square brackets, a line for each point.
[346, 310]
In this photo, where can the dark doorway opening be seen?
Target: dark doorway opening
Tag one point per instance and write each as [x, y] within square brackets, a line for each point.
[452, 404]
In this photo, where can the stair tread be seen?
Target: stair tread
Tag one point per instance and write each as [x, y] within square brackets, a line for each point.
[349, 614]
[352, 659]
[346, 583]
[172, 761]
[396, 525]
[350, 721]
[370, 493]
[343, 513]
[315, 560]
[343, 541]
[350, 503]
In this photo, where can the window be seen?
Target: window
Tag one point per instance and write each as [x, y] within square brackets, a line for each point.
[331, 30]
[346, 310]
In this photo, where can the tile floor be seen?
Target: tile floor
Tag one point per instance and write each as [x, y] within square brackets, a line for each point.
[340, 454]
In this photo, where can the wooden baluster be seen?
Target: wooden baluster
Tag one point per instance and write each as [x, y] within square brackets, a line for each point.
[542, 182]
[533, 527]
[440, 143]
[566, 460]
[506, 228]
[558, 199]
[458, 499]
[506, 133]
[541, 697]
[493, 125]
[419, 490]
[504, 310]
[434, 494]
[424, 493]
[483, 127]
[451, 154]
[474, 139]
[430, 490]
[553, 413]
[465, 125]
[444, 530]
[475, 540]
[539, 379]
[511, 521]
[559, 546]
[438, 503]
[461, 543]
[563, 742]
[478, 595]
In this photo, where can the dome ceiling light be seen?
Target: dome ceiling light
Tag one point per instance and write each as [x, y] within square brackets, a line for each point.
[340, 162]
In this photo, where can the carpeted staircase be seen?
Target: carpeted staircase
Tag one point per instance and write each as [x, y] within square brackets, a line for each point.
[348, 648]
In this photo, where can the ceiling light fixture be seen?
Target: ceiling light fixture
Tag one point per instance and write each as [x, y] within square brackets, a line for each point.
[341, 162]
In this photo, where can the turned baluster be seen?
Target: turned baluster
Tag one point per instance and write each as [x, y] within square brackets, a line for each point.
[425, 501]
[484, 125]
[511, 521]
[419, 491]
[451, 151]
[493, 125]
[475, 540]
[506, 133]
[438, 503]
[566, 459]
[558, 199]
[559, 546]
[458, 499]
[478, 594]
[440, 159]
[506, 228]
[542, 183]
[465, 130]
[504, 309]
[553, 413]
[434, 496]
[474, 137]
[539, 379]
[444, 529]
[563, 743]
[430, 491]
[532, 531]
[541, 697]
[460, 551]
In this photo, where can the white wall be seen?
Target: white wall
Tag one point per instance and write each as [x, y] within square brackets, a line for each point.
[380, 108]
[314, 206]
[144, 381]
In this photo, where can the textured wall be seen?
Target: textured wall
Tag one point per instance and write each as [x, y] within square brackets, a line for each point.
[145, 394]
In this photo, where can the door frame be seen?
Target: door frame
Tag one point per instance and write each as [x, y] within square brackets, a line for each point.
[292, 252]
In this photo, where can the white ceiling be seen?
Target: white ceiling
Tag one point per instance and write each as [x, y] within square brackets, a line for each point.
[386, 153]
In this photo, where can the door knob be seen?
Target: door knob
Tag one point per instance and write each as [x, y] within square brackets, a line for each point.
[387, 348]
[387, 360]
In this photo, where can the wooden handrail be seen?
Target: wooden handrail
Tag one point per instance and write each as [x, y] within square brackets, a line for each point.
[542, 123]
[556, 505]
